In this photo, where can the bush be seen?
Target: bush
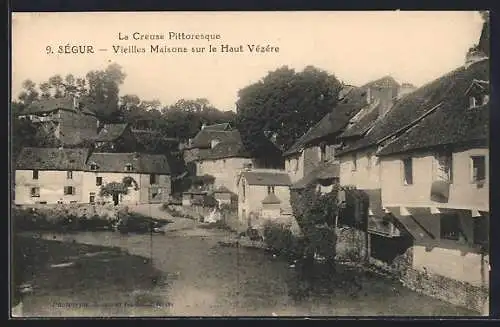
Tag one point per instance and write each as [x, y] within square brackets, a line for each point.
[280, 240]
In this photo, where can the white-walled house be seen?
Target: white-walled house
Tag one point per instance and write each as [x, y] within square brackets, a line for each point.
[52, 175]
[424, 164]
[218, 150]
[255, 188]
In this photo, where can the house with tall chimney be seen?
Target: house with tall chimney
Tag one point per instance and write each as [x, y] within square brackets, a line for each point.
[218, 151]
[312, 160]
[66, 118]
[424, 164]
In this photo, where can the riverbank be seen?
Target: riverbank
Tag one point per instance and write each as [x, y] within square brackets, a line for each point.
[203, 278]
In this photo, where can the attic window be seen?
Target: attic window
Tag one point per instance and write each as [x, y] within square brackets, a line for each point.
[478, 100]
[93, 166]
[128, 167]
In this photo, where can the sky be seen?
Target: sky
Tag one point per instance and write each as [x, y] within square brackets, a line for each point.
[357, 47]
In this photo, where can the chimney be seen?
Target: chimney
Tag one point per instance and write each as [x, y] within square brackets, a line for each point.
[474, 55]
[203, 126]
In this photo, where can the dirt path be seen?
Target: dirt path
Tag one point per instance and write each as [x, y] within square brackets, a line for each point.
[155, 211]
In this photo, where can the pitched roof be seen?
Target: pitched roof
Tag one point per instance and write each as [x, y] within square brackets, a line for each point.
[266, 178]
[225, 150]
[141, 162]
[324, 171]
[51, 104]
[222, 189]
[218, 127]
[111, 132]
[362, 125]
[205, 136]
[52, 159]
[449, 120]
[271, 198]
[335, 121]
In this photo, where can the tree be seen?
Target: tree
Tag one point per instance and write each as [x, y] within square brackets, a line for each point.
[29, 93]
[114, 190]
[285, 104]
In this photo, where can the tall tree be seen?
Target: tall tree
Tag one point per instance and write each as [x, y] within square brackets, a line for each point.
[285, 104]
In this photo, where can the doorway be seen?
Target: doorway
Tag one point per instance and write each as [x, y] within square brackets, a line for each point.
[116, 199]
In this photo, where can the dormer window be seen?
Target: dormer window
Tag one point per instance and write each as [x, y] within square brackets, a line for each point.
[128, 167]
[213, 143]
[478, 93]
[93, 166]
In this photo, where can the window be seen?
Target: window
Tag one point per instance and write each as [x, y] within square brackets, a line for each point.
[481, 230]
[451, 228]
[407, 171]
[478, 169]
[244, 189]
[35, 192]
[69, 190]
[322, 153]
[35, 174]
[128, 167]
[270, 189]
[69, 174]
[98, 181]
[92, 197]
[354, 162]
[444, 169]
[224, 163]
[93, 166]
[478, 100]
[153, 179]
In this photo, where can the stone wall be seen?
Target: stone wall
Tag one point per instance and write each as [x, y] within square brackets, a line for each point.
[75, 209]
[443, 288]
[351, 244]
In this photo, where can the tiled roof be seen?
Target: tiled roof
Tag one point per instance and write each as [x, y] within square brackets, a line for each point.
[52, 159]
[449, 119]
[271, 198]
[335, 121]
[204, 137]
[363, 125]
[47, 105]
[111, 132]
[267, 178]
[140, 163]
[218, 127]
[324, 171]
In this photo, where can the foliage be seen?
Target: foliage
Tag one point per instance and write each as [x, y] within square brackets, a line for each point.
[113, 189]
[284, 104]
[280, 240]
[219, 224]
[315, 214]
[129, 181]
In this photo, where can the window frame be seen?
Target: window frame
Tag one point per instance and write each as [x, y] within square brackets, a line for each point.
[69, 174]
[354, 162]
[35, 194]
[153, 179]
[473, 178]
[270, 189]
[129, 167]
[35, 174]
[98, 181]
[404, 162]
[67, 188]
[449, 162]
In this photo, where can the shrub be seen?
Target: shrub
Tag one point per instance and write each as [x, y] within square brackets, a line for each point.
[280, 239]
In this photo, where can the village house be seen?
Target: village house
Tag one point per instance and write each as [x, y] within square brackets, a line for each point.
[311, 160]
[67, 118]
[53, 175]
[263, 193]
[423, 162]
[115, 138]
[219, 152]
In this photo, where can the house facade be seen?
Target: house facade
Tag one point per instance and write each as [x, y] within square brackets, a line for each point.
[218, 151]
[67, 118]
[424, 165]
[52, 175]
[262, 193]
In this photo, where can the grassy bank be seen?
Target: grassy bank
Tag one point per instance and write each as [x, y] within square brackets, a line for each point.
[80, 273]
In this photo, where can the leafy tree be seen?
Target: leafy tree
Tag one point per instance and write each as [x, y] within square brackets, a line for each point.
[285, 104]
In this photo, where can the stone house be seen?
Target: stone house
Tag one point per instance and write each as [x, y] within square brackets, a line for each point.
[218, 151]
[312, 158]
[52, 175]
[261, 190]
[67, 118]
[115, 138]
[424, 165]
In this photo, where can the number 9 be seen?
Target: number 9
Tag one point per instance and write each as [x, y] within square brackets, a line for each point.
[48, 49]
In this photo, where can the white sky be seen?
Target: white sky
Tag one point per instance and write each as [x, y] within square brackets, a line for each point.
[357, 47]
